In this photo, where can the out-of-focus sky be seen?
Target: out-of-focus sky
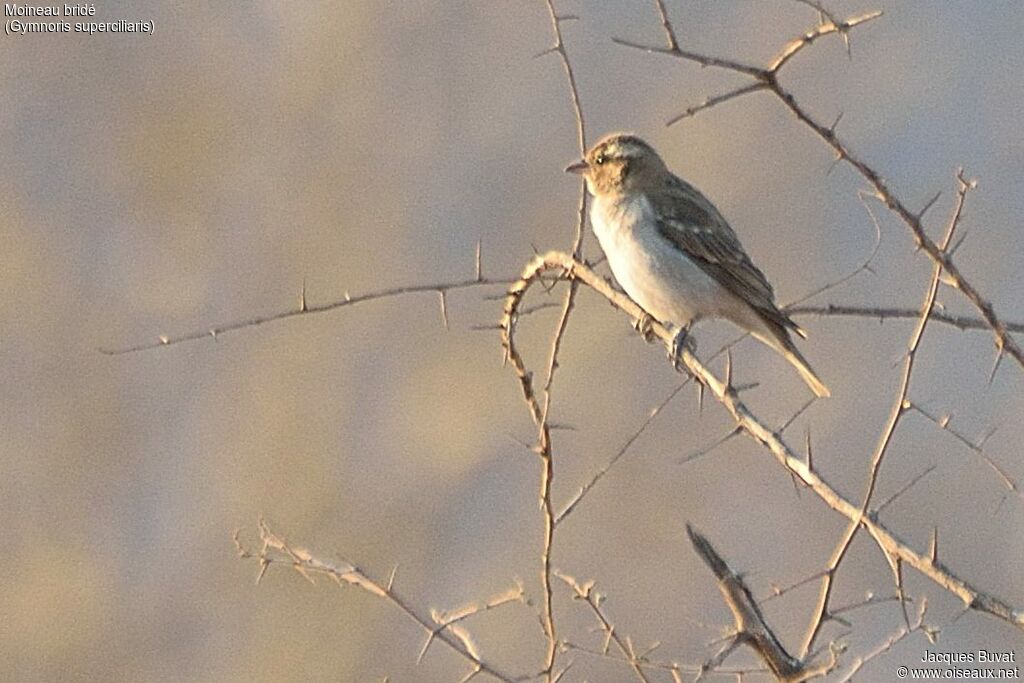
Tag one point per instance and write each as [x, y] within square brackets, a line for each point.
[167, 183]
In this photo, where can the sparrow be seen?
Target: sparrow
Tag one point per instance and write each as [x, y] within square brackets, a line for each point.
[674, 254]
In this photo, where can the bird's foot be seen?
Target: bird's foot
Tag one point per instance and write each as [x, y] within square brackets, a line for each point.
[682, 341]
[644, 325]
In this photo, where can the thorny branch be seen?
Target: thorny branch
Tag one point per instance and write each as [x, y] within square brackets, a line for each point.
[942, 422]
[751, 627]
[901, 406]
[541, 419]
[962, 322]
[587, 594]
[586, 488]
[275, 550]
[767, 79]
[757, 429]
[304, 308]
[826, 310]
[891, 641]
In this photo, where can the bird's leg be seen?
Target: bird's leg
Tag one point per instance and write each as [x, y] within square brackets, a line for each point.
[680, 342]
[643, 325]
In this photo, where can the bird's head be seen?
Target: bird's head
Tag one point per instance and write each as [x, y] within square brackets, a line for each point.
[619, 163]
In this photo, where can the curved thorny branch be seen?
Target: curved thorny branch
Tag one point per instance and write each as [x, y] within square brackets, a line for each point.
[541, 413]
[927, 563]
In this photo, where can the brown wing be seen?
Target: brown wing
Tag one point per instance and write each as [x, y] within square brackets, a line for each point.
[694, 225]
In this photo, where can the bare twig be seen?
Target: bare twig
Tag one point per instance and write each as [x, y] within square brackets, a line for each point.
[305, 308]
[586, 488]
[274, 550]
[670, 34]
[886, 313]
[581, 124]
[751, 627]
[976, 448]
[449, 619]
[587, 594]
[827, 27]
[890, 642]
[903, 489]
[864, 266]
[901, 406]
[713, 100]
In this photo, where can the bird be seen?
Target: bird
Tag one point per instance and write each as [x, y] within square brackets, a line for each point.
[674, 253]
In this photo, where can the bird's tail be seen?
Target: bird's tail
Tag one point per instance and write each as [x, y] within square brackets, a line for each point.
[780, 340]
[806, 371]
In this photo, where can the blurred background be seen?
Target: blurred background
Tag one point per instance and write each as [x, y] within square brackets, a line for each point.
[168, 183]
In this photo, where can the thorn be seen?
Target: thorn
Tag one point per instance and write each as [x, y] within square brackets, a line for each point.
[987, 436]
[479, 263]
[391, 579]
[999, 505]
[835, 162]
[728, 370]
[995, 366]
[796, 484]
[810, 452]
[561, 674]
[928, 205]
[520, 442]
[832, 128]
[302, 297]
[426, 646]
[956, 245]
[649, 650]
[264, 564]
[164, 339]
[348, 297]
[546, 52]
[444, 309]
[933, 552]
[700, 398]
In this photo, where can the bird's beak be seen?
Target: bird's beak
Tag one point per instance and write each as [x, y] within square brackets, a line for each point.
[580, 167]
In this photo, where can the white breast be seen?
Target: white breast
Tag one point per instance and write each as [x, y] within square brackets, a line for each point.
[654, 273]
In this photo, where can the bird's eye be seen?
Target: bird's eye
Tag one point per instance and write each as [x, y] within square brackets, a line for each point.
[599, 160]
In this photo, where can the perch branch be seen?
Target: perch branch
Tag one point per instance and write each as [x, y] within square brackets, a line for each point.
[754, 427]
